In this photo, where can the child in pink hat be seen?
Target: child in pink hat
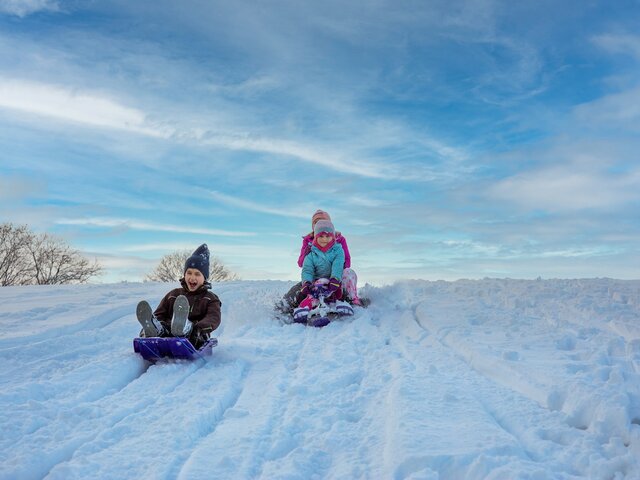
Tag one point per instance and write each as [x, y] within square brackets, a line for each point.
[349, 277]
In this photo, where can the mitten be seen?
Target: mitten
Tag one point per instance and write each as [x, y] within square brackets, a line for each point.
[306, 288]
[334, 285]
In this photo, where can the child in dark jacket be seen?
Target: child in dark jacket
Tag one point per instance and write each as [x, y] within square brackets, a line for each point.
[189, 311]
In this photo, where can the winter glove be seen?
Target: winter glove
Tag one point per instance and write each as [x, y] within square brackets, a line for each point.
[306, 288]
[334, 285]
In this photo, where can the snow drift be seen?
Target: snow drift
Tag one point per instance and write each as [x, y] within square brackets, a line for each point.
[489, 379]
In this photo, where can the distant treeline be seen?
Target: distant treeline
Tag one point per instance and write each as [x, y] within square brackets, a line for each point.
[27, 258]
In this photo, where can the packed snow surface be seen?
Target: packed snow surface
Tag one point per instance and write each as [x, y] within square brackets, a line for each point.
[487, 379]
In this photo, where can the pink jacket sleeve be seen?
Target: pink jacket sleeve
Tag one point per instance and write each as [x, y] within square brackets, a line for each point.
[347, 257]
[306, 248]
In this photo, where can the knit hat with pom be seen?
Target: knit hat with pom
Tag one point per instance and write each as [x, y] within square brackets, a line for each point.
[199, 260]
[323, 226]
[319, 215]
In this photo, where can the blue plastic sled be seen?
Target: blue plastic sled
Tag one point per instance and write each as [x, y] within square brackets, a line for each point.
[155, 348]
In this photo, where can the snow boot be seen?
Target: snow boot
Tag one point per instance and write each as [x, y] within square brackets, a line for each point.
[180, 324]
[343, 308]
[300, 315]
[151, 327]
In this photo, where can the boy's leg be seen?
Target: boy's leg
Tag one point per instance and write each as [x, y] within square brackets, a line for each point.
[150, 326]
[180, 324]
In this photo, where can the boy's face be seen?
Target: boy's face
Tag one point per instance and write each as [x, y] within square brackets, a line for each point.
[324, 238]
[194, 279]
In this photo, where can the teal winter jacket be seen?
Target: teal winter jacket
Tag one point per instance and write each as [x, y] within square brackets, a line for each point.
[318, 264]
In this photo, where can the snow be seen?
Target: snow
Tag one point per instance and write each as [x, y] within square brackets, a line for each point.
[486, 379]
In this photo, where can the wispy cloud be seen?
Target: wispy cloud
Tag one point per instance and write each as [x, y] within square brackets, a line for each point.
[150, 227]
[99, 111]
[619, 43]
[329, 159]
[74, 106]
[254, 251]
[617, 111]
[257, 207]
[566, 188]
[22, 8]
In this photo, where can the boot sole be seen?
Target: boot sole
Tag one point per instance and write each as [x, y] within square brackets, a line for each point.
[145, 317]
[180, 316]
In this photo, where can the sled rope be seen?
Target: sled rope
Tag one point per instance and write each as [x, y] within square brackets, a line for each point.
[197, 352]
[151, 350]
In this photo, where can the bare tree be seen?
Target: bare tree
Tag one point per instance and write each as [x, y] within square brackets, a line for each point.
[171, 269]
[14, 262]
[56, 263]
[26, 258]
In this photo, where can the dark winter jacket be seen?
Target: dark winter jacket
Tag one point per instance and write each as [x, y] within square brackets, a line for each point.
[204, 308]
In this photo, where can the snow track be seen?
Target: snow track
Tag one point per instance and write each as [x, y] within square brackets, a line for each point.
[435, 380]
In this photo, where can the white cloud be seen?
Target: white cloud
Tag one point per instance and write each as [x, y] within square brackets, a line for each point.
[98, 111]
[256, 207]
[330, 159]
[612, 112]
[22, 8]
[248, 88]
[566, 188]
[135, 225]
[157, 247]
[619, 43]
[71, 105]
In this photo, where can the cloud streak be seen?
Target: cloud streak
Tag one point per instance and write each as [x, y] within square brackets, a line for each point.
[22, 8]
[96, 111]
[148, 227]
[566, 189]
[72, 106]
[256, 207]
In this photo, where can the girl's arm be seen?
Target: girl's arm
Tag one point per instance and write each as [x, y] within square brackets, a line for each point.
[306, 248]
[347, 256]
[308, 269]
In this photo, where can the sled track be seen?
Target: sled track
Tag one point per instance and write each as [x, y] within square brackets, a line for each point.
[91, 323]
[281, 404]
[408, 343]
[142, 410]
[255, 401]
[210, 420]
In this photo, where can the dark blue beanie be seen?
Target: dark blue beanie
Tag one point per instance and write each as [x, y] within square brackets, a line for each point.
[199, 260]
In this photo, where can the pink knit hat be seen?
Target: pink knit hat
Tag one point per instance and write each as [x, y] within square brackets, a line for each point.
[319, 215]
[323, 226]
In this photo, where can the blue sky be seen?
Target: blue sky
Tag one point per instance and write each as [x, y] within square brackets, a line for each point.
[447, 139]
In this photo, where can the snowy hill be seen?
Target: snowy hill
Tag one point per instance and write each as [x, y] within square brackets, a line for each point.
[490, 379]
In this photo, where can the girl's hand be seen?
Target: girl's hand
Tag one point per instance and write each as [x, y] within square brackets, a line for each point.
[334, 285]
